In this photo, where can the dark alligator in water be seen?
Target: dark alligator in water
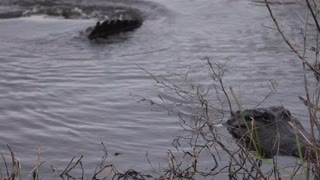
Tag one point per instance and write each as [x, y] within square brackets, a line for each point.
[116, 18]
[274, 129]
[111, 27]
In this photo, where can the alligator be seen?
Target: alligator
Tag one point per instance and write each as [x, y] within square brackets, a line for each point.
[112, 19]
[272, 131]
[112, 27]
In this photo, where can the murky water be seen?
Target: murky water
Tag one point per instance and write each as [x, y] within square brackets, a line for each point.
[67, 94]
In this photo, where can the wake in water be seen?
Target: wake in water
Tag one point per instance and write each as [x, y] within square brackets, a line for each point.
[74, 9]
[113, 17]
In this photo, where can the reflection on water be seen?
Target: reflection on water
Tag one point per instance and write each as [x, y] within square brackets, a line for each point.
[68, 94]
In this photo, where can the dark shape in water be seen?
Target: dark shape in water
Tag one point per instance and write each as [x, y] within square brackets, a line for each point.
[273, 128]
[112, 27]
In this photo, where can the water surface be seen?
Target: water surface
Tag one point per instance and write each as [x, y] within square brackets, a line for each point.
[67, 94]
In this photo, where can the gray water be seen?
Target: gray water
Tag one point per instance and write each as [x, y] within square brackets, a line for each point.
[67, 94]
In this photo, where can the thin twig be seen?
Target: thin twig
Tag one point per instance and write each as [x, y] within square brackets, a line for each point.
[65, 170]
[75, 164]
[6, 165]
[310, 104]
[287, 40]
[313, 15]
[34, 170]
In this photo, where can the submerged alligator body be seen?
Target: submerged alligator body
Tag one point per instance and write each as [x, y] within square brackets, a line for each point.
[274, 131]
[112, 27]
[113, 18]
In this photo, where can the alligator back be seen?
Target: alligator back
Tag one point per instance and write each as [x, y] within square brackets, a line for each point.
[112, 27]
